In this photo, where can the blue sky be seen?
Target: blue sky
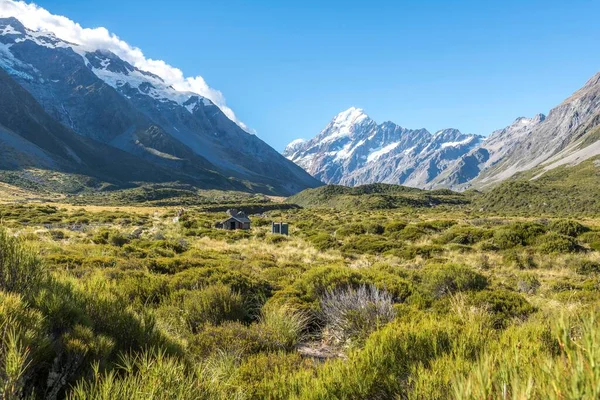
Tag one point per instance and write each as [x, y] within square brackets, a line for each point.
[287, 67]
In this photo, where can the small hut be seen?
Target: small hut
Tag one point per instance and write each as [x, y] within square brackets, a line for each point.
[237, 220]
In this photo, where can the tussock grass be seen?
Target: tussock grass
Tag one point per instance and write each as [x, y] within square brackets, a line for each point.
[111, 302]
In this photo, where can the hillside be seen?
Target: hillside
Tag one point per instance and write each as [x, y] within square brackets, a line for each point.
[563, 190]
[375, 196]
[99, 96]
[40, 153]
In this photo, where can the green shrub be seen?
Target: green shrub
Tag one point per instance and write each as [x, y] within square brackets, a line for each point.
[563, 286]
[557, 243]
[101, 237]
[351, 229]
[411, 252]
[569, 369]
[20, 269]
[23, 346]
[141, 288]
[441, 280]
[140, 374]
[507, 238]
[108, 236]
[231, 337]
[398, 287]
[503, 305]
[568, 227]
[378, 371]
[437, 225]
[410, 233]
[323, 241]
[395, 226]
[587, 267]
[517, 234]
[178, 246]
[253, 288]
[592, 239]
[118, 239]
[57, 235]
[374, 229]
[213, 305]
[308, 289]
[369, 244]
[282, 327]
[261, 221]
[263, 374]
[528, 231]
[466, 235]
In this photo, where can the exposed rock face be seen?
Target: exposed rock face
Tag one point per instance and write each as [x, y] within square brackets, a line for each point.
[528, 143]
[32, 139]
[354, 150]
[100, 96]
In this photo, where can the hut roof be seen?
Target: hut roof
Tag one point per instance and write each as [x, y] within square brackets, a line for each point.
[237, 215]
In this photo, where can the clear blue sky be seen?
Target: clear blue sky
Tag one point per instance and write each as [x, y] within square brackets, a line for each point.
[287, 67]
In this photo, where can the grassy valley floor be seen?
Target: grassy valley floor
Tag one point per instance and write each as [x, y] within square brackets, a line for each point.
[429, 302]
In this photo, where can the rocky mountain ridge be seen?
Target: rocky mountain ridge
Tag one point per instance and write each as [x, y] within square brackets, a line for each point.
[98, 95]
[353, 150]
[344, 152]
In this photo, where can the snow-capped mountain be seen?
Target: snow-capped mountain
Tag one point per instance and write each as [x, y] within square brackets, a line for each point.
[98, 95]
[353, 150]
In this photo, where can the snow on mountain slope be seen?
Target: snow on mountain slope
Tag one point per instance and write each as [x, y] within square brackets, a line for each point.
[353, 150]
[103, 63]
[98, 94]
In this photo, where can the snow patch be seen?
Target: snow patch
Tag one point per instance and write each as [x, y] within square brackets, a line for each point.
[10, 63]
[377, 153]
[457, 144]
[295, 143]
[348, 150]
[41, 22]
[159, 90]
[409, 150]
[343, 124]
[9, 30]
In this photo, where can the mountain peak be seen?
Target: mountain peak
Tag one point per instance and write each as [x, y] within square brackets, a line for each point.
[524, 121]
[345, 124]
[293, 147]
[178, 133]
[447, 134]
[590, 90]
[593, 81]
[351, 116]
[353, 149]
[11, 25]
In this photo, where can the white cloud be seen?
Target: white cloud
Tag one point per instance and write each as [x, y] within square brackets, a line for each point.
[37, 18]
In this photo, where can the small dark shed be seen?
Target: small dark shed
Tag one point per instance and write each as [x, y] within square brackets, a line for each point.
[280, 228]
[237, 220]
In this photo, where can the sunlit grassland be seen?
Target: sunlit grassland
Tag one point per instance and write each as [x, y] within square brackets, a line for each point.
[410, 303]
